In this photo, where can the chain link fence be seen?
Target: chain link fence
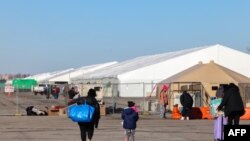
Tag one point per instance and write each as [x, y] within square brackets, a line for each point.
[113, 95]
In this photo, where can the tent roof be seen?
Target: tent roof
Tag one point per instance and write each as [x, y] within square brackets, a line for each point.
[139, 62]
[76, 73]
[208, 73]
[45, 76]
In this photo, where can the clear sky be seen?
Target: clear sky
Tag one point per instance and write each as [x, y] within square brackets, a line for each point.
[47, 35]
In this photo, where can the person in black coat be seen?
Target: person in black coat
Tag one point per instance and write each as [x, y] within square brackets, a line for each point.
[72, 92]
[187, 103]
[87, 128]
[233, 104]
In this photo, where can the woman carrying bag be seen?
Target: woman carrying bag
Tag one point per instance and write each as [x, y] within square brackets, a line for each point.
[232, 104]
[87, 128]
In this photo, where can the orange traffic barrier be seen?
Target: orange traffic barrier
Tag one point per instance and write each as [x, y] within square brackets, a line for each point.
[176, 113]
[196, 113]
[206, 114]
[246, 116]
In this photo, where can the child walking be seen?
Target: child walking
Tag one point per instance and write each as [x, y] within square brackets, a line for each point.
[130, 117]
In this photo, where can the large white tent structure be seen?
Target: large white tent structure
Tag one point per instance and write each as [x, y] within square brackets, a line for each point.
[135, 77]
[43, 77]
[78, 72]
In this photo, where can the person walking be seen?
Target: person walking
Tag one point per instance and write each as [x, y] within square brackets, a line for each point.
[232, 104]
[187, 103]
[55, 92]
[72, 92]
[130, 117]
[87, 128]
[163, 101]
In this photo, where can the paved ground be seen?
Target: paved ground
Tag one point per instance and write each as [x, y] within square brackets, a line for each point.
[150, 128]
[59, 128]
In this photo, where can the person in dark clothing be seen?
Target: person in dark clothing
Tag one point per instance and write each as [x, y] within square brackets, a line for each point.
[233, 104]
[187, 103]
[87, 129]
[48, 91]
[55, 92]
[130, 117]
[32, 111]
[72, 92]
[220, 91]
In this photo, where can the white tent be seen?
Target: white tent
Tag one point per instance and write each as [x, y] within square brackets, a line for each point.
[43, 77]
[132, 75]
[77, 73]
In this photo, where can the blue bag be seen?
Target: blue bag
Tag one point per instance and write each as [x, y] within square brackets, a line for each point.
[81, 113]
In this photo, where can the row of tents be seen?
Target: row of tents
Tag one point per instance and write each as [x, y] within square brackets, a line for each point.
[199, 70]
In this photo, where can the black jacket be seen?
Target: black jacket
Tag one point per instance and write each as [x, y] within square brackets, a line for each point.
[72, 93]
[232, 102]
[186, 100]
[93, 102]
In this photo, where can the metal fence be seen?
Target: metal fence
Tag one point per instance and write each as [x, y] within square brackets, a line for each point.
[113, 95]
[108, 94]
[116, 95]
[17, 102]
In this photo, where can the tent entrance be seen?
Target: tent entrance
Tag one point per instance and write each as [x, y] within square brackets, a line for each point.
[245, 93]
[195, 89]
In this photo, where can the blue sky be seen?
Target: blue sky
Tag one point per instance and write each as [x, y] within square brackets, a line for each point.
[48, 35]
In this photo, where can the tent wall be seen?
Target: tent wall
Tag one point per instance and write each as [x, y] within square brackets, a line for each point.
[24, 83]
[139, 89]
[245, 93]
[106, 87]
[131, 90]
[2, 86]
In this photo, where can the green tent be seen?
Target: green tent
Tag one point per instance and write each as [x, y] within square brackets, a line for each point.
[24, 83]
[2, 85]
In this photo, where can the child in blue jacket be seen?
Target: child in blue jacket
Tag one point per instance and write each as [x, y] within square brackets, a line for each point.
[130, 117]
